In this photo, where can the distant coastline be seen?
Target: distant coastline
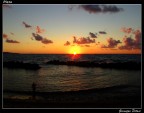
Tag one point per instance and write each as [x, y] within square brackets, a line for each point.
[70, 54]
[10, 53]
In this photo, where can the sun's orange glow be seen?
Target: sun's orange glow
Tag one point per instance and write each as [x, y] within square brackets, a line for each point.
[75, 53]
[75, 50]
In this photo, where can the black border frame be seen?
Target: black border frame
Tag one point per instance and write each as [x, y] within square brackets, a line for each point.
[68, 2]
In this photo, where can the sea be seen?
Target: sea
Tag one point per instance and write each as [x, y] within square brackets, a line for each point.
[54, 78]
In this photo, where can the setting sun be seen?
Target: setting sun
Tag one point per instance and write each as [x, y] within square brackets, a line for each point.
[75, 53]
[75, 50]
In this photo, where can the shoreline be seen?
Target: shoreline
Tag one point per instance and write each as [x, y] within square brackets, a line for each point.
[113, 97]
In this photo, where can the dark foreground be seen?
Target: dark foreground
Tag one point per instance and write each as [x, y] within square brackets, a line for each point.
[111, 97]
[113, 65]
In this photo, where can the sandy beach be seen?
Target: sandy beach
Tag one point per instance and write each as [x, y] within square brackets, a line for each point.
[111, 97]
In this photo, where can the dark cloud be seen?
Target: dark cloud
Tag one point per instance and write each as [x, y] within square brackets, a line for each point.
[39, 30]
[92, 35]
[111, 43]
[83, 40]
[127, 30]
[91, 8]
[37, 37]
[40, 38]
[67, 43]
[46, 41]
[5, 36]
[11, 41]
[129, 42]
[26, 25]
[102, 32]
[111, 9]
[101, 8]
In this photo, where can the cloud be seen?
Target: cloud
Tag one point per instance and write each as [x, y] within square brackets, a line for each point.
[104, 46]
[129, 42]
[138, 36]
[46, 41]
[92, 35]
[67, 43]
[100, 8]
[26, 25]
[127, 30]
[87, 45]
[102, 32]
[11, 41]
[111, 9]
[40, 38]
[111, 43]
[5, 36]
[39, 30]
[83, 40]
[37, 37]
[6, 6]
[91, 8]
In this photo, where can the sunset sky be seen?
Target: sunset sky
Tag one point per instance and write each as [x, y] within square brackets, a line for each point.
[68, 29]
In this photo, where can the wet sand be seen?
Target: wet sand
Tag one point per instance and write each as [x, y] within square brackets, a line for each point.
[111, 97]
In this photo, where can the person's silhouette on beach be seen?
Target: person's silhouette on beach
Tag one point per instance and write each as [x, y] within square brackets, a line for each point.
[34, 90]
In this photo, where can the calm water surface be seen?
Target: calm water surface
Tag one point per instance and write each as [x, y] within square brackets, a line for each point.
[51, 78]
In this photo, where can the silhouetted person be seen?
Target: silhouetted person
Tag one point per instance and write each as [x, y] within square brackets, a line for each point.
[34, 90]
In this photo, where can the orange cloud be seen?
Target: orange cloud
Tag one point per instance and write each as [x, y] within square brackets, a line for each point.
[5, 36]
[67, 43]
[127, 30]
[83, 40]
[39, 30]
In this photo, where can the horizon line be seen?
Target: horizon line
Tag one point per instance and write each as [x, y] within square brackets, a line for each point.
[72, 54]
